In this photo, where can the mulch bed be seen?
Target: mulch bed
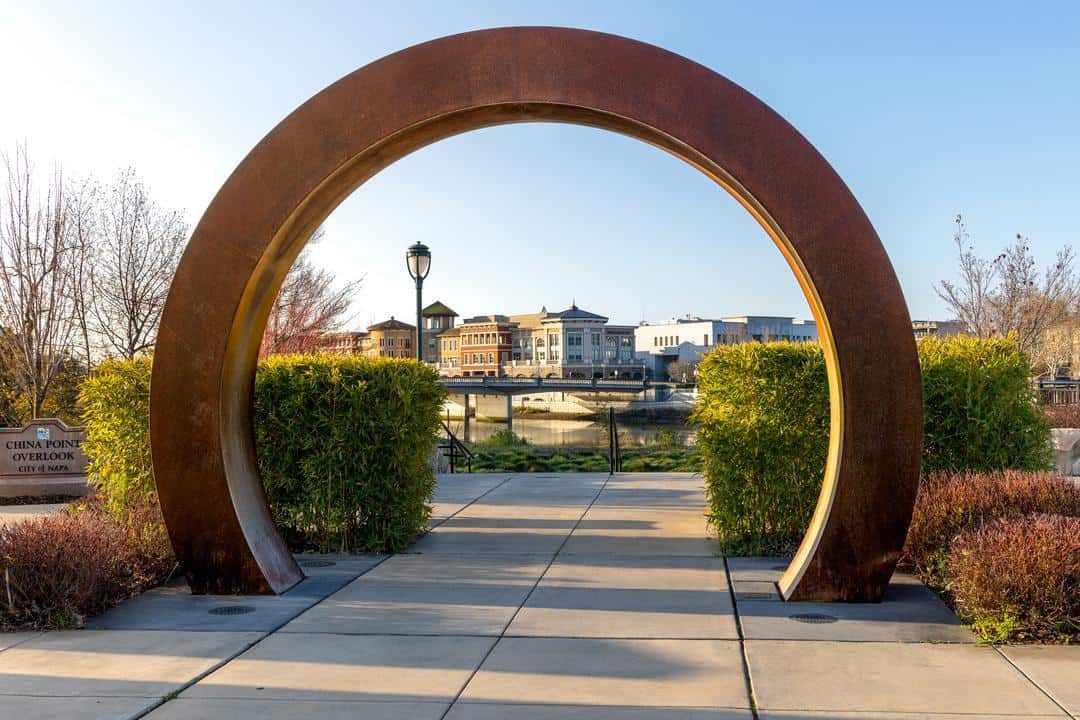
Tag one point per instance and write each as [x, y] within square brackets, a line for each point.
[39, 499]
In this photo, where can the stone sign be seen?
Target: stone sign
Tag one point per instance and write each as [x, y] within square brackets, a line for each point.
[44, 457]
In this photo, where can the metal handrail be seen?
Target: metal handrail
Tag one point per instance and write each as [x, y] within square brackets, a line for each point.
[455, 447]
[614, 450]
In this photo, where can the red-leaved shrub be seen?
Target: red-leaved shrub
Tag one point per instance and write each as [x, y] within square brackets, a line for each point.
[1019, 578]
[1063, 416]
[949, 504]
[56, 571]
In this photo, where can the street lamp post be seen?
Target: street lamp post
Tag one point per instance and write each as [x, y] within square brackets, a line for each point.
[418, 260]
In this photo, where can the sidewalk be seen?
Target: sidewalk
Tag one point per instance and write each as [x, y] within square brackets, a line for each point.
[573, 597]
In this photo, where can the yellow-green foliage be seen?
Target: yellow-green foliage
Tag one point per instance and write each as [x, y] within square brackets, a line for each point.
[343, 443]
[116, 401]
[344, 447]
[981, 408]
[763, 428]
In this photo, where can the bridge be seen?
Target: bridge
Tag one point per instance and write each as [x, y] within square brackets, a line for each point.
[510, 386]
[518, 386]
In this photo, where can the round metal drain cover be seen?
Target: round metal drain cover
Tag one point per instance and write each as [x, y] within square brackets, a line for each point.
[317, 563]
[754, 596]
[232, 610]
[813, 618]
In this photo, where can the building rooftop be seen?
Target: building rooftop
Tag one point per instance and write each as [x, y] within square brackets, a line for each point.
[391, 324]
[478, 319]
[437, 308]
[574, 313]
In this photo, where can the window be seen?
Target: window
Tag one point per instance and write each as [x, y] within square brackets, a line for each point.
[491, 358]
[505, 356]
[539, 342]
[612, 342]
[540, 355]
[382, 342]
[705, 342]
[610, 353]
[554, 354]
[596, 339]
[574, 341]
[553, 339]
[596, 353]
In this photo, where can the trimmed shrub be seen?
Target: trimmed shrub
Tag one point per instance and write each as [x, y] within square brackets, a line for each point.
[763, 429]
[949, 504]
[1019, 578]
[982, 411]
[504, 438]
[344, 446]
[116, 406]
[60, 569]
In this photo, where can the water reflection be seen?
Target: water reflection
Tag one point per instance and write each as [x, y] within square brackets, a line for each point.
[571, 433]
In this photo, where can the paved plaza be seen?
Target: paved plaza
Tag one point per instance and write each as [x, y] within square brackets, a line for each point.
[573, 597]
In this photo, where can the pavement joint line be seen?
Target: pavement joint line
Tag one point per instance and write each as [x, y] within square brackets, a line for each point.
[225, 661]
[526, 598]
[470, 503]
[36, 634]
[752, 696]
[1031, 680]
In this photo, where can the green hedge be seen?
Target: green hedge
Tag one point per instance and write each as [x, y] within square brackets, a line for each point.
[343, 443]
[982, 412]
[764, 423]
[345, 447]
[763, 429]
[116, 402]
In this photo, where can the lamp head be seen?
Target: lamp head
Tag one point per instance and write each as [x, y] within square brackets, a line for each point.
[418, 259]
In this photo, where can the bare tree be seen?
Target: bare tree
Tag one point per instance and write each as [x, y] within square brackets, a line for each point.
[307, 306]
[1057, 349]
[138, 248]
[970, 299]
[1028, 302]
[1009, 295]
[36, 282]
[681, 371]
[82, 211]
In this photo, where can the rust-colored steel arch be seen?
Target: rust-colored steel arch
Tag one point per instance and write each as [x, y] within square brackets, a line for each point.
[201, 394]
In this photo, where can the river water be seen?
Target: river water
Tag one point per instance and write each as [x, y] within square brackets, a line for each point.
[569, 433]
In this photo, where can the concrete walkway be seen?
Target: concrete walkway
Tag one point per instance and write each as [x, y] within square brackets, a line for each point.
[573, 597]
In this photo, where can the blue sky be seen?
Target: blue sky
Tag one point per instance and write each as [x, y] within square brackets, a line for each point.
[925, 109]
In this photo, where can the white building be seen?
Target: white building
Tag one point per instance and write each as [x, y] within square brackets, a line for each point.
[658, 345]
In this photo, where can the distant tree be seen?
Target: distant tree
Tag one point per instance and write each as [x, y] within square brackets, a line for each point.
[681, 371]
[1009, 294]
[307, 306]
[137, 248]
[36, 279]
[1055, 352]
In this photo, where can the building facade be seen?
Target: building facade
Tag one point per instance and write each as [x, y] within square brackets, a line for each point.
[391, 339]
[936, 328]
[438, 318]
[343, 343]
[573, 343]
[658, 345]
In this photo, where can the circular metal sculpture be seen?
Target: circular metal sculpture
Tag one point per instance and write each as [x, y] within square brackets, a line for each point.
[201, 393]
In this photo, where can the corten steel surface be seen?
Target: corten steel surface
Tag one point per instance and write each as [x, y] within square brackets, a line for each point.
[201, 395]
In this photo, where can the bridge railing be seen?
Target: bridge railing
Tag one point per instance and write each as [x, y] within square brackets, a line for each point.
[544, 382]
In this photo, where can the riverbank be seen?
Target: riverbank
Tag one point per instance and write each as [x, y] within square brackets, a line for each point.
[527, 458]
